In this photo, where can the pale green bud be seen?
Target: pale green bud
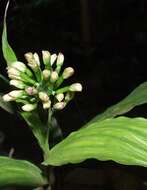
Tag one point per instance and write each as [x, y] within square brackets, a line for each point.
[16, 93]
[54, 76]
[31, 61]
[60, 59]
[8, 98]
[14, 77]
[60, 97]
[46, 74]
[36, 57]
[59, 106]
[13, 71]
[47, 105]
[69, 96]
[29, 107]
[53, 59]
[31, 90]
[76, 87]
[19, 66]
[68, 72]
[43, 96]
[46, 57]
[17, 84]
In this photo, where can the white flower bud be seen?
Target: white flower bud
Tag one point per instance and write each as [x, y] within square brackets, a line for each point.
[29, 107]
[54, 76]
[8, 98]
[60, 97]
[16, 93]
[13, 71]
[47, 105]
[60, 59]
[17, 84]
[46, 74]
[36, 57]
[59, 106]
[14, 77]
[31, 61]
[31, 90]
[43, 96]
[53, 59]
[76, 87]
[46, 57]
[68, 72]
[19, 66]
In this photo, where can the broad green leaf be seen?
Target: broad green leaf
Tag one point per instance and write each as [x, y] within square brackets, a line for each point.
[8, 52]
[135, 98]
[19, 173]
[38, 128]
[7, 106]
[122, 139]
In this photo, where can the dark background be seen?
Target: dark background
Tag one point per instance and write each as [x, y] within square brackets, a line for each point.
[106, 43]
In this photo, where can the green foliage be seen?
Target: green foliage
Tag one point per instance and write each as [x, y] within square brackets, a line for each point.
[19, 172]
[38, 128]
[8, 52]
[135, 98]
[122, 140]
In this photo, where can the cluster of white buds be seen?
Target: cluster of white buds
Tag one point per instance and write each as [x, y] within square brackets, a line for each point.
[40, 82]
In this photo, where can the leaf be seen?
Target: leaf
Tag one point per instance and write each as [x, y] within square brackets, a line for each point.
[135, 98]
[19, 173]
[122, 139]
[38, 128]
[8, 52]
[7, 106]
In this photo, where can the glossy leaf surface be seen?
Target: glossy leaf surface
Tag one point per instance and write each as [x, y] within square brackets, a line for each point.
[135, 98]
[19, 173]
[123, 140]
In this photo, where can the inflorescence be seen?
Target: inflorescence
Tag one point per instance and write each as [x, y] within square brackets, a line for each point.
[36, 82]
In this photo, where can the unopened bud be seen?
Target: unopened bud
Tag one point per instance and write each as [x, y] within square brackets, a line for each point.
[54, 76]
[47, 105]
[8, 98]
[17, 84]
[43, 96]
[31, 61]
[13, 71]
[76, 87]
[69, 96]
[59, 106]
[36, 57]
[68, 72]
[16, 93]
[60, 59]
[14, 77]
[53, 59]
[46, 57]
[31, 90]
[29, 107]
[19, 66]
[60, 97]
[46, 74]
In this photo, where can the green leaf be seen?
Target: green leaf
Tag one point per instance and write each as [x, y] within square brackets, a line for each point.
[38, 128]
[8, 52]
[122, 139]
[7, 106]
[135, 98]
[19, 173]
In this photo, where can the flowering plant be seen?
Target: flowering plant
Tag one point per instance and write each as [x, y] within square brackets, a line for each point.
[38, 86]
